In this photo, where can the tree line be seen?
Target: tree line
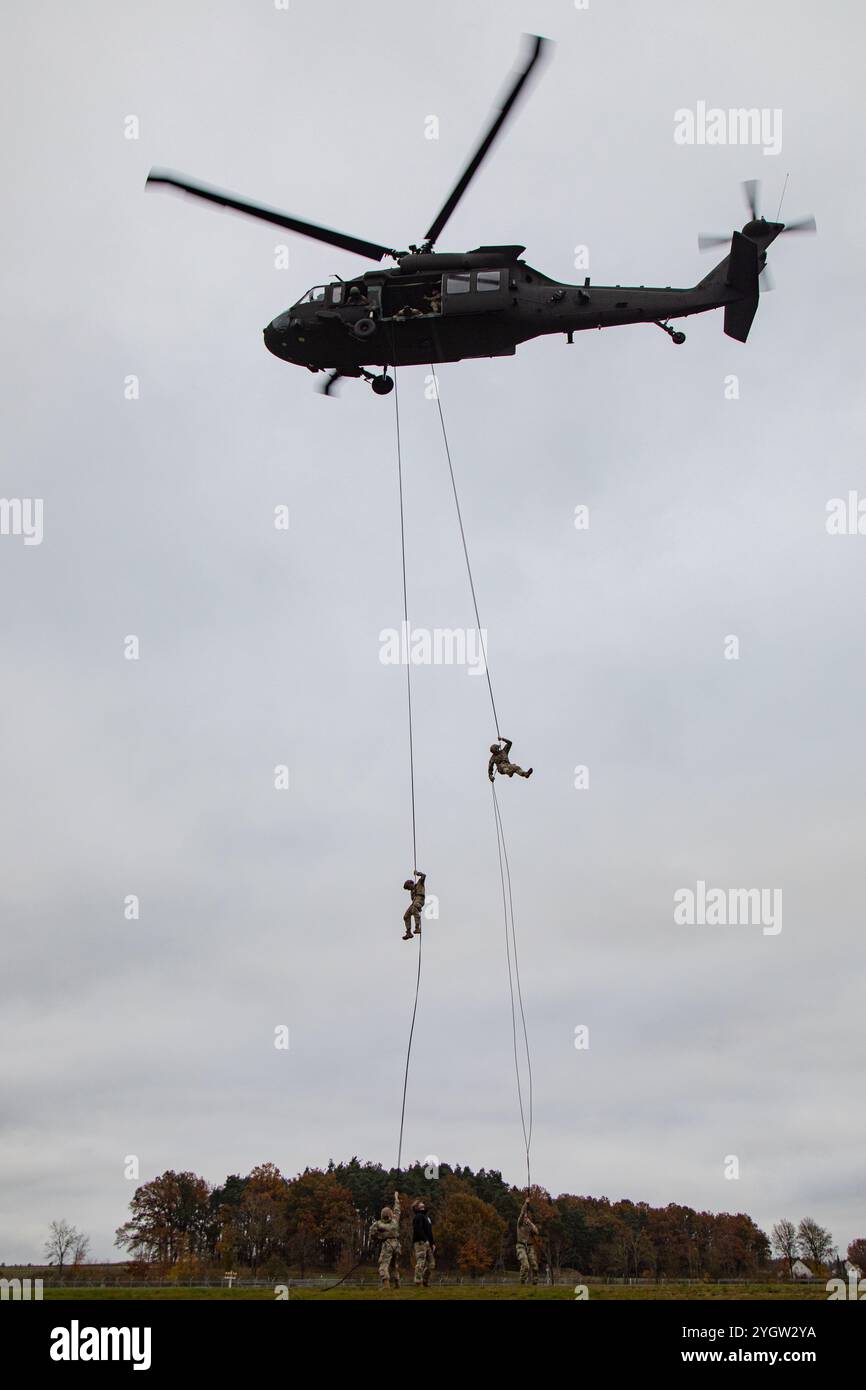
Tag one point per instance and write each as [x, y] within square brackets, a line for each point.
[267, 1223]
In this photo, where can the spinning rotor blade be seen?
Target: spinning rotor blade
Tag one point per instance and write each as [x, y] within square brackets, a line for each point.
[706, 242]
[472, 167]
[371, 249]
[752, 189]
[803, 224]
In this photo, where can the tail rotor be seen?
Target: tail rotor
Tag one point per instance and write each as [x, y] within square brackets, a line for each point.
[758, 227]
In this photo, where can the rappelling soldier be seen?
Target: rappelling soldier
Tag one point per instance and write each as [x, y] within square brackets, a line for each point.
[415, 886]
[387, 1230]
[499, 761]
[527, 1258]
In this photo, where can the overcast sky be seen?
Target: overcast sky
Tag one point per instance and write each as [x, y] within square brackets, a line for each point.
[155, 777]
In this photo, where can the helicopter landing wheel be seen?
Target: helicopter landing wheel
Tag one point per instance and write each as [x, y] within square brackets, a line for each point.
[382, 385]
[673, 333]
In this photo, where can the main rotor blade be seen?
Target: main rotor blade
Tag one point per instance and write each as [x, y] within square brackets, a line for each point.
[751, 189]
[803, 224]
[326, 387]
[501, 116]
[371, 249]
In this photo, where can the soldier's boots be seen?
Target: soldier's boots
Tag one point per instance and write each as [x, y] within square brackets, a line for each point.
[407, 935]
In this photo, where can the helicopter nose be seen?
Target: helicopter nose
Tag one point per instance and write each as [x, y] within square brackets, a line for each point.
[278, 334]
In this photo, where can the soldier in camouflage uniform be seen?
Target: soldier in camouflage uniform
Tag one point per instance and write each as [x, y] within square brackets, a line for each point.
[499, 760]
[415, 886]
[387, 1229]
[526, 1253]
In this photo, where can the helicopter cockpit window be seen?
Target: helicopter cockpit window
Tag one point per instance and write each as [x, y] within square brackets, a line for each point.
[314, 296]
[489, 279]
[457, 284]
[336, 294]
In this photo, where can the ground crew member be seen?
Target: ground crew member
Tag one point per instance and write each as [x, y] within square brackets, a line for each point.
[387, 1229]
[526, 1253]
[413, 911]
[499, 760]
[422, 1243]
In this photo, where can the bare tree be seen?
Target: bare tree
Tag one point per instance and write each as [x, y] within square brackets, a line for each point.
[62, 1243]
[785, 1242]
[81, 1248]
[815, 1242]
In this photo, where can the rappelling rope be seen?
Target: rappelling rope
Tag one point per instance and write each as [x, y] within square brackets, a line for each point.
[465, 548]
[511, 951]
[411, 741]
[504, 868]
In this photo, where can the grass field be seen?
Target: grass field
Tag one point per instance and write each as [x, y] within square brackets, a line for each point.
[719, 1293]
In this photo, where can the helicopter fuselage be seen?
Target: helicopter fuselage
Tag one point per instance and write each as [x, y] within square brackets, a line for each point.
[437, 307]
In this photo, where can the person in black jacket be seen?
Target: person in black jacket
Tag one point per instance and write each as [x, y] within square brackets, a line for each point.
[422, 1242]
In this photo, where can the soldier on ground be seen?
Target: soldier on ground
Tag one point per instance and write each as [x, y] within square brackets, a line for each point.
[387, 1230]
[422, 1242]
[527, 1258]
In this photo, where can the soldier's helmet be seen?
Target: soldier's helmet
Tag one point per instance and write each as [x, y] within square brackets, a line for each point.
[410, 883]
[387, 1214]
[494, 747]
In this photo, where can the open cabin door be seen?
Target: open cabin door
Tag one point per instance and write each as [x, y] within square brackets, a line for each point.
[474, 291]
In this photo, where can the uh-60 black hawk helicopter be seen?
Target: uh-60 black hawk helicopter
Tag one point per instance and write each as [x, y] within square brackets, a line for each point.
[444, 306]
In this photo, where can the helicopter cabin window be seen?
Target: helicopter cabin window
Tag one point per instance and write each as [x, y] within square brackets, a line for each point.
[457, 284]
[314, 296]
[336, 294]
[488, 280]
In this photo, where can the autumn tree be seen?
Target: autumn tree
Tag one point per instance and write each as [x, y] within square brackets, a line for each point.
[857, 1254]
[171, 1215]
[815, 1242]
[319, 1216]
[473, 1257]
[575, 1242]
[670, 1232]
[253, 1229]
[469, 1230]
